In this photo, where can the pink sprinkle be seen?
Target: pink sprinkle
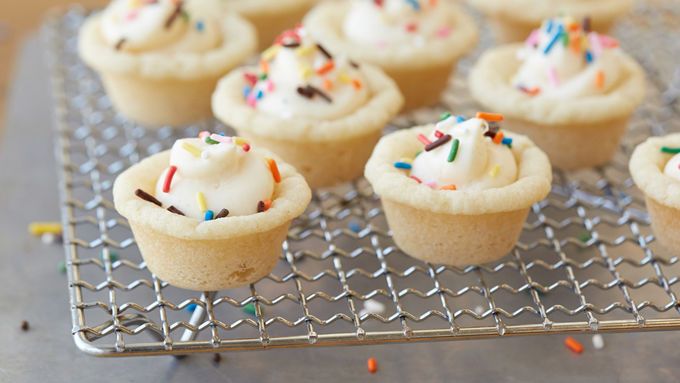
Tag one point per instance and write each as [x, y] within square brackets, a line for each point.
[251, 100]
[270, 85]
[444, 32]
[131, 15]
[595, 43]
[533, 37]
[608, 42]
[202, 135]
[220, 138]
[431, 184]
[552, 76]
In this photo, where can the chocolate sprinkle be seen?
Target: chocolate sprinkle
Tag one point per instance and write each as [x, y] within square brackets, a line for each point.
[493, 129]
[324, 51]
[120, 43]
[353, 64]
[305, 92]
[174, 15]
[440, 141]
[175, 210]
[291, 45]
[217, 358]
[309, 91]
[260, 206]
[24, 325]
[586, 24]
[147, 197]
[222, 214]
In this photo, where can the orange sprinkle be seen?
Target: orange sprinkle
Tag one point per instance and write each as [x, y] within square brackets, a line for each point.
[573, 27]
[448, 187]
[274, 169]
[498, 138]
[267, 204]
[356, 83]
[325, 68]
[575, 42]
[573, 345]
[264, 66]
[599, 79]
[433, 3]
[327, 84]
[492, 117]
[372, 365]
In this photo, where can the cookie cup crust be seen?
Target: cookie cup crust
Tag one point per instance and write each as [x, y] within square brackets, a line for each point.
[455, 227]
[662, 193]
[326, 152]
[165, 89]
[213, 255]
[270, 18]
[513, 20]
[420, 72]
[575, 133]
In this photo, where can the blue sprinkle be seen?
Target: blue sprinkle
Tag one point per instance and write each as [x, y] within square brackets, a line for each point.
[209, 215]
[553, 40]
[402, 165]
[507, 141]
[260, 94]
[246, 91]
[414, 4]
[354, 226]
[589, 57]
[460, 119]
[200, 26]
[549, 26]
[191, 307]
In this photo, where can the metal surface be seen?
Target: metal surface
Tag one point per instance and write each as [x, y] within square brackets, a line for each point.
[586, 260]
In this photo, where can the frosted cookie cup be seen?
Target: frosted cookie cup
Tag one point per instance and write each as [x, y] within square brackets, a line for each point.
[160, 61]
[655, 168]
[210, 216]
[573, 99]
[270, 17]
[418, 44]
[463, 199]
[320, 112]
[513, 20]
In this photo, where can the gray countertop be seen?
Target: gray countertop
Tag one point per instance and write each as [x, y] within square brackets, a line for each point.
[34, 290]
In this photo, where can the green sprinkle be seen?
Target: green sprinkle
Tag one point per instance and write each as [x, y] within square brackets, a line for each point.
[263, 76]
[666, 149]
[585, 237]
[112, 256]
[210, 141]
[565, 39]
[444, 116]
[454, 150]
[250, 309]
[61, 266]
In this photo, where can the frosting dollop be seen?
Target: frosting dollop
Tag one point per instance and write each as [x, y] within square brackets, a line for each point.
[214, 172]
[464, 155]
[672, 168]
[564, 59]
[298, 77]
[161, 26]
[395, 22]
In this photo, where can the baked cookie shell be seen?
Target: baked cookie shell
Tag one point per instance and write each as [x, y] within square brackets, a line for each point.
[212, 255]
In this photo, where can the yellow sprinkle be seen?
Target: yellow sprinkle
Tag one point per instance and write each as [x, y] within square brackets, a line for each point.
[304, 50]
[240, 141]
[305, 72]
[271, 52]
[406, 160]
[345, 78]
[40, 228]
[494, 171]
[200, 198]
[196, 152]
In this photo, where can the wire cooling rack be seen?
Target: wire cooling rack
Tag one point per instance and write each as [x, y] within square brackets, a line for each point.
[586, 261]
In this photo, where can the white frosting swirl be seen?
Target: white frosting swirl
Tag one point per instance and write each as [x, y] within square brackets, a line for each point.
[296, 61]
[561, 60]
[227, 176]
[395, 22]
[160, 26]
[478, 165]
[672, 168]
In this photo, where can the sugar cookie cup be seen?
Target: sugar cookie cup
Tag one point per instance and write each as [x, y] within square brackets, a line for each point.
[662, 192]
[213, 255]
[156, 88]
[513, 20]
[270, 17]
[326, 152]
[455, 228]
[421, 72]
[576, 133]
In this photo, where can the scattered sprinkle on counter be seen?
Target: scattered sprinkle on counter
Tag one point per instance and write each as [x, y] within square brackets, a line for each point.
[372, 365]
[598, 342]
[573, 345]
[39, 228]
[25, 326]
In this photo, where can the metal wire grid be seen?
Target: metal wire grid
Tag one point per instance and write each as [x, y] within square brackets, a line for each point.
[586, 260]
